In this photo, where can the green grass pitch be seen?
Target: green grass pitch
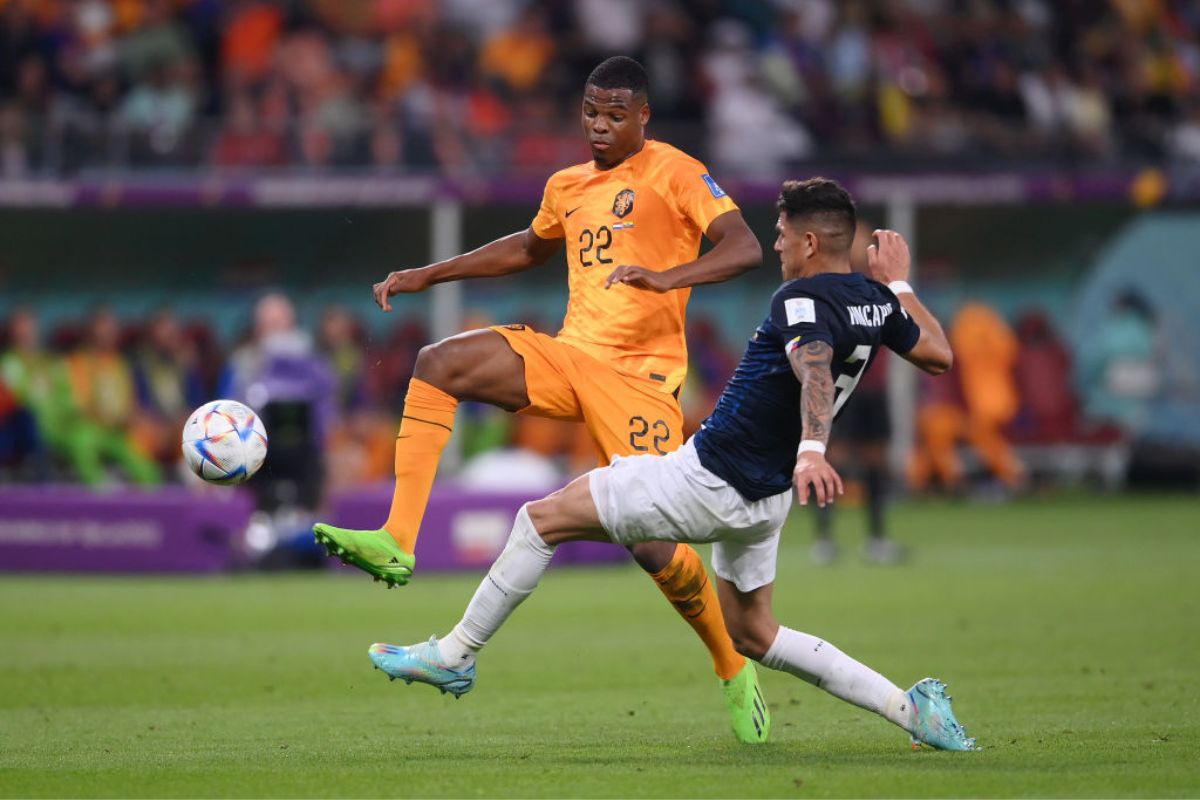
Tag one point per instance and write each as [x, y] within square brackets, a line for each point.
[1067, 630]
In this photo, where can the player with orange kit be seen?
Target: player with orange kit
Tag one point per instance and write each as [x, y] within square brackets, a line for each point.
[632, 220]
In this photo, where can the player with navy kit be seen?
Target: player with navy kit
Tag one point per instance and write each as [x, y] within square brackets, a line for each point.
[731, 483]
[750, 439]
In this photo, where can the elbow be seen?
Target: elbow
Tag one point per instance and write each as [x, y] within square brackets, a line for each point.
[941, 363]
[933, 357]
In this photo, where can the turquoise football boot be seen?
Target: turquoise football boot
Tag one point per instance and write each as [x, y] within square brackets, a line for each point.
[933, 719]
[422, 663]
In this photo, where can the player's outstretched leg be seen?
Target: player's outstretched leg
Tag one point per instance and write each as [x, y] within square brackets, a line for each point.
[476, 365]
[924, 711]
[387, 553]
[422, 663]
[374, 552]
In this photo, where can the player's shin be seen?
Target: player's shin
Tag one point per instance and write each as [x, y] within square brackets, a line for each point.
[424, 431]
[820, 663]
[684, 581]
[512, 578]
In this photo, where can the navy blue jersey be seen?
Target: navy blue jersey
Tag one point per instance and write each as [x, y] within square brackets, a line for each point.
[751, 437]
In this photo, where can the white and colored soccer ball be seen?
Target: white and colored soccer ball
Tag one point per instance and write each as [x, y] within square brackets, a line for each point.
[224, 442]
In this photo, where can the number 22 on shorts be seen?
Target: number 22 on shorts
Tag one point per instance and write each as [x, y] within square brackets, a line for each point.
[657, 432]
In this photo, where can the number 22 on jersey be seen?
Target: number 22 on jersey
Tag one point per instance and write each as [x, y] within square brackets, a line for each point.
[601, 240]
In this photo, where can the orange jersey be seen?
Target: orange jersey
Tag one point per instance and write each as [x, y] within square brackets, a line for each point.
[649, 211]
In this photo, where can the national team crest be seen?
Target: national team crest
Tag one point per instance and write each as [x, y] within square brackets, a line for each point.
[623, 202]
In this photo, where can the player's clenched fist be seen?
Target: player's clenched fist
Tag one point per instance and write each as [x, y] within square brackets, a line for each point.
[404, 281]
[889, 260]
[813, 470]
[639, 277]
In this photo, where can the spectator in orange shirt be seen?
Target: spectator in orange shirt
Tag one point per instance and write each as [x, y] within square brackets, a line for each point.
[940, 423]
[986, 351]
[977, 407]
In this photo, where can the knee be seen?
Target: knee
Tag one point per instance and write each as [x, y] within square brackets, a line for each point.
[541, 513]
[652, 556]
[551, 518]
[750, 638]
[440, 365]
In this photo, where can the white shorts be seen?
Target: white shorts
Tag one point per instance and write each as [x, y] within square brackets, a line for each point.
[674, 498]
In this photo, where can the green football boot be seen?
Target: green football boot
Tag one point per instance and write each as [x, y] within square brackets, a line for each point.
[934, 722]
[374, 552]
[748, 712]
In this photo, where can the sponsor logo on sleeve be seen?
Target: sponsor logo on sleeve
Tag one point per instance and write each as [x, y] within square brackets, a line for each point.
[716, 190]
[800, 309]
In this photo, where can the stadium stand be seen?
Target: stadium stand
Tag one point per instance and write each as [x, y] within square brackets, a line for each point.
[475, 85]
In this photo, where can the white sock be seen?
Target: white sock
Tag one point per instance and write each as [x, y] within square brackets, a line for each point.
[820, 663]
[512, 578]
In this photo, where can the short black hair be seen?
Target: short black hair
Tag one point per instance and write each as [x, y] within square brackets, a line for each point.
[620, 72]
[824, 202]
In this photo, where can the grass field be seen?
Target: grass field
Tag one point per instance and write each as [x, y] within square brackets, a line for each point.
[1067, 630]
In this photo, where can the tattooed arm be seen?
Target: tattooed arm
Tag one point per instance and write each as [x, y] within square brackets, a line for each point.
[810, 363]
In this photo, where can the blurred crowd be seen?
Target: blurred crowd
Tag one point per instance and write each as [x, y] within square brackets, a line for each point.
[104, 401]
[487, 86]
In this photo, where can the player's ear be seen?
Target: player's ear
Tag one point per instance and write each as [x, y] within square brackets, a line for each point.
[644, 113]
[812, 245]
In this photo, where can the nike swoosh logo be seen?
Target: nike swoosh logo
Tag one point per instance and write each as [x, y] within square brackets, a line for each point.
[572, 211]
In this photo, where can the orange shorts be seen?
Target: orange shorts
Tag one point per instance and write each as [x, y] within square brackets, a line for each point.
[625, 415]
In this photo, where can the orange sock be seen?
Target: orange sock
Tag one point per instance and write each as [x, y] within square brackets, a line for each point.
[685, 583]
[426, 427]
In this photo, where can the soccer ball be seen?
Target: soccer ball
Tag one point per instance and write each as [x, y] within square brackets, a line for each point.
[224, 442]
